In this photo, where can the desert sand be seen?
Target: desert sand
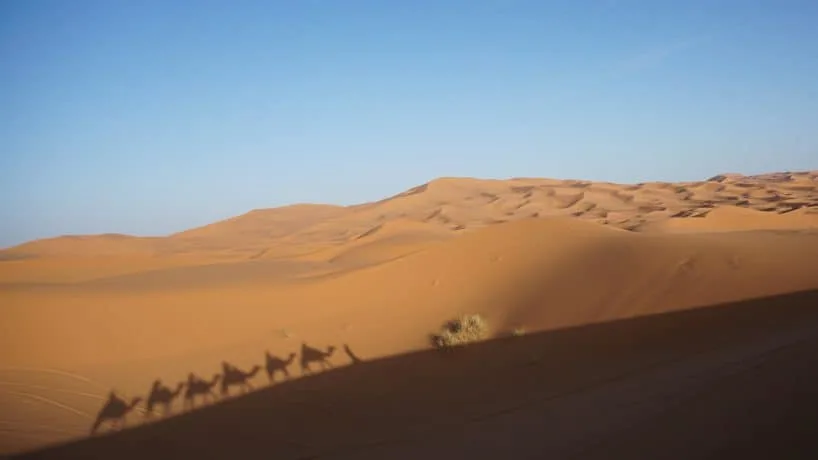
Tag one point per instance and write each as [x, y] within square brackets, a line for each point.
[646, 308]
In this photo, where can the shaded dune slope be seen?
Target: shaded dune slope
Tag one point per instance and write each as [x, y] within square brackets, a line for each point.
[664, 383]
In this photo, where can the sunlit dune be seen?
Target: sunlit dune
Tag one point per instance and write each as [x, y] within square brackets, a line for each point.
[384, 242]
[83, 316]
[71, 269]
[84, 245]
[457, 204]
[730, 219]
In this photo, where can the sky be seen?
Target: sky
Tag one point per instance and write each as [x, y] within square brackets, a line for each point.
[150, 117]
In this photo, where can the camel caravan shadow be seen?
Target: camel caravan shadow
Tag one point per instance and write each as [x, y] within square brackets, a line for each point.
[116, 409]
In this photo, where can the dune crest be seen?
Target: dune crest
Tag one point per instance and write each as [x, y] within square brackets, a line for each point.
[462, 204]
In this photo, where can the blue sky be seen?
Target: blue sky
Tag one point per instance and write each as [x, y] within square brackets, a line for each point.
[149, 117]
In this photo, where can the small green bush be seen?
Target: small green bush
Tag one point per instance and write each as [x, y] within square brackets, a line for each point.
[461, 331]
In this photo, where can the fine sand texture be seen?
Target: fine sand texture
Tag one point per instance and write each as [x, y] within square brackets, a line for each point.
[652, 320]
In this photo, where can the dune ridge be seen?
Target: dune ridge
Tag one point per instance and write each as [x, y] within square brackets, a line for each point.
[456, 204]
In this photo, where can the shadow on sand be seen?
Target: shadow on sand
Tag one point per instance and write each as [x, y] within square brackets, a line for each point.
[734, 381]
[232, 376]
[161, 395]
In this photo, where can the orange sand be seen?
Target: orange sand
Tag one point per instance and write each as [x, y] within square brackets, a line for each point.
[85, 315]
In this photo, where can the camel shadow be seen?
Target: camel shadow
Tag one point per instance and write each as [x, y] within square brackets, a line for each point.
[162, 395]
[114, 412]
[197, 386]
[233, 376]
[274, 364]
[311, 355]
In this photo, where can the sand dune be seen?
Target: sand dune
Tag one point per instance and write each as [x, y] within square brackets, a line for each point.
[672, 386]
[73, 269]
[251, 232]
[83, 316]
[384, 242]
[83, 245]
[729, 219]
[453, 204]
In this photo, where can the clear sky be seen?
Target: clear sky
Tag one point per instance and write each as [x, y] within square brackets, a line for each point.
[152, 116]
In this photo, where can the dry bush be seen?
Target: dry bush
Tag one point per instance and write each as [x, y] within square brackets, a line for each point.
[461, 331]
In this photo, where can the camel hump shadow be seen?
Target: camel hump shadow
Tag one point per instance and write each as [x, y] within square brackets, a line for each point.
[314, 355]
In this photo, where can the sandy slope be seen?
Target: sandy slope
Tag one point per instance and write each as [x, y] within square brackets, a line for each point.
[732, 378]
[79, 321]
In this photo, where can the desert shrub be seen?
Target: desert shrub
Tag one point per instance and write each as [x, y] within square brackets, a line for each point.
[518, 332]
[461, 331]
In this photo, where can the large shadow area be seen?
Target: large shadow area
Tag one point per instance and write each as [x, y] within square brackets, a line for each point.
[737, 380]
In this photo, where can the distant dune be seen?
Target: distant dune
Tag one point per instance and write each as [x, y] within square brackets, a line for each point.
[458, 204]
[84, 245]
[83, 316]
